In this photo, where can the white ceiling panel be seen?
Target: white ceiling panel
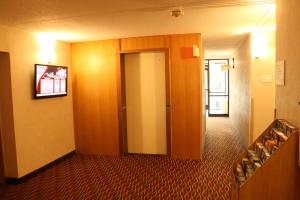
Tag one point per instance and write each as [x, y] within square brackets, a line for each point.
[223, 23]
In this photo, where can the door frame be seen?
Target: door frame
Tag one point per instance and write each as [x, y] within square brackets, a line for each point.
[122, 97]
[208, 86]
[5, 55]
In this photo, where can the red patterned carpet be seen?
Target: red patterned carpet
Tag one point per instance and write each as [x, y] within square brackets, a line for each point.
[139, 176]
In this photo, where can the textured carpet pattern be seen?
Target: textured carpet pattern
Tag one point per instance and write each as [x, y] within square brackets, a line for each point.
[139, 176]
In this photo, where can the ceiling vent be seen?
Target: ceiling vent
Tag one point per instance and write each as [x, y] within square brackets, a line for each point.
[177, 12]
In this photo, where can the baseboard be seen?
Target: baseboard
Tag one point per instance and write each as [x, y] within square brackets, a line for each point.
[145, 154]
[22, 179]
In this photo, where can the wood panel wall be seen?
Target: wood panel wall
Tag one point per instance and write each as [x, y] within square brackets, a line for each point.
[186, 101]
[142, 43]
[95, 97]
[186, 98]
[7, 130]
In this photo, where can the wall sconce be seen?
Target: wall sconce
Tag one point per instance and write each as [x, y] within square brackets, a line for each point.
[225, 67]
[230, 65]
[47, 48]
[259, 45]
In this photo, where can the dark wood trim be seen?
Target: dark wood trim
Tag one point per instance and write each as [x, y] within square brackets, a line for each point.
[2, 178]
[168, 99]
[144, 154]
[122, 97]
[22, 179]
[228, 90]
[143, 50]
[218, 115]
[119, 100]
[122, 109]
[6, 111]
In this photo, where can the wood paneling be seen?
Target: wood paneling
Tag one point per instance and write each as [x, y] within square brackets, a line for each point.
[7, 130]
[2, 175]
[142, 43]
[186, 98]
[95, 97]
[185, 78]
[98, 92]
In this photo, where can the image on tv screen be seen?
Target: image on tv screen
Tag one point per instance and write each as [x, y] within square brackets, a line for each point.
[50, 80]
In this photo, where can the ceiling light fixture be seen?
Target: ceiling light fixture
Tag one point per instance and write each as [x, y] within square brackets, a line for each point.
[177, 12]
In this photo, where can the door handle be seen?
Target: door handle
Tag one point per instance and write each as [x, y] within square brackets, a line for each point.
[168, 108]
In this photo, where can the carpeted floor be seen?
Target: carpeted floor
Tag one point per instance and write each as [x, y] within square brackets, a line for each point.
[139, 176]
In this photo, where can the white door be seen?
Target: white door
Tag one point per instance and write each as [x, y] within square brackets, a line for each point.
[146, 102]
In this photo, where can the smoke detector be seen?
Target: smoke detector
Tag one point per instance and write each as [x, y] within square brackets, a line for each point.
[177, 12]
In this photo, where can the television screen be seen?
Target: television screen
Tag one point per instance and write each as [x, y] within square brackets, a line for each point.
[50, 81]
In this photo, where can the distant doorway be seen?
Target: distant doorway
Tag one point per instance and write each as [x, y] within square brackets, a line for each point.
[145, 102]
[217, 87]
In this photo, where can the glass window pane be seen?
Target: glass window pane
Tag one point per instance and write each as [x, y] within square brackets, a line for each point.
[217, 77]
[218, 105]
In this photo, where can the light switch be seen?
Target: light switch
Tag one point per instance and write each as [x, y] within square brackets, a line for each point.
[266, 78]
[196, 51]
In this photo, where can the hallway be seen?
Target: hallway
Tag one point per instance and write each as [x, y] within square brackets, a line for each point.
[139, 176]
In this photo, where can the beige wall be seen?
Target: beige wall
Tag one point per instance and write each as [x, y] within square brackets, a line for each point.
[252, 86]
[288, 48]
[43, 128]
[262, 83]
[146, 102]
[240, 92]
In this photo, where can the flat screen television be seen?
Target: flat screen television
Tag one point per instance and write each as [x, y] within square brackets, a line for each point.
[50, 81]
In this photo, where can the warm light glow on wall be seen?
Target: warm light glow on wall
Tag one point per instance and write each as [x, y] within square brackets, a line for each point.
[94, 63]
[259, 46]
[47, 48]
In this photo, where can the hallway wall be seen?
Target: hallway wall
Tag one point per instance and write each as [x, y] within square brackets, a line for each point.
[240, 94]
[288, 48]
[262, 83]
[42, 130]
[252, 86]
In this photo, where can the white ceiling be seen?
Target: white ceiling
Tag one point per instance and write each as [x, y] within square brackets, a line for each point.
[223, 23]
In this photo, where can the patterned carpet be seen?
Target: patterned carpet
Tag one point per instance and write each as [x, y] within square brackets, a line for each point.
[139, 176]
